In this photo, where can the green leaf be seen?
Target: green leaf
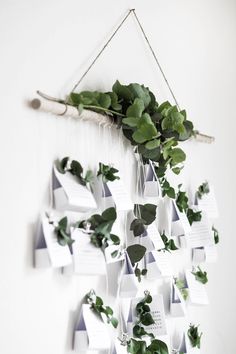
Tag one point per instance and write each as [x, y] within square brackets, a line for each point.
[136, 109]
[137, 227]
[114, 322]
[122, 91]
[136, 253]
[139, 91]
[104, 100]
[177, 155]
[153, 144]
[146, 319]
[89, 176]
[131, 121]
[115, 239]
[146, 212]
[158, 347]
[62, 165]
[109, 214]
[200, 276]
[63, 223]
[76, 168]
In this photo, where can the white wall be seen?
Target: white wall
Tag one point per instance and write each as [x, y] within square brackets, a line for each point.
[46, 45]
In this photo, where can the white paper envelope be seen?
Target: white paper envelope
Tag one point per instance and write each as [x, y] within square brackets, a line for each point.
[151, 187]
[59, 256]
[87, 258]
[208, 203]
[177, 303]
[158, 264]
[69, 194]
[91, 332]
[179, 221]
[158, 313]
[197, 290]
[201, 234]
[41, 256]
[120, 195]
[129, 283]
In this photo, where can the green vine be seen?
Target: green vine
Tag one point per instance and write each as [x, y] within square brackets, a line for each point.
[145, 318]
[169, 244]
[97, 305]
[182, 288]
[60, 227]
[203, 189]
[107, 172]
[182, 203]
[200, 275]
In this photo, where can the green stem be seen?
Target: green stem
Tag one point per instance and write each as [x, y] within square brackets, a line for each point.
[104, 110]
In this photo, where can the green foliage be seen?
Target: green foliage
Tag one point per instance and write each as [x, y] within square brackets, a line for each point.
[75, 168]
[166, 188]
[145, 318]
[136, 253]
[194, 336]
[168, 243]
[97, 305]
[203, 189]
[139, 272]
[107, 172]
[63, 237]
[181, 286]
[145, 215]
[140, 347]
[200, 275]
[216, 235]
[154, 129]
[100, 227]
[183, 205]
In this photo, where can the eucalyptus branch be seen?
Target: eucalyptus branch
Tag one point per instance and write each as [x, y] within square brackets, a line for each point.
[75, 168]
[182, 203]
[194, 336]
[107, 172]
[60, 227]
[97, 305]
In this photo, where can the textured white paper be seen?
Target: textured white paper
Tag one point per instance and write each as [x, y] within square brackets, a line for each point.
[69, 194]
[128, 284]
[87, 258]
[197, 290]
[177, 303]
[120, 195]
[41, 256]
[208, 203]
[180, 224]
[60, 256]
[201, 234]
[199, 255]
[152, 186]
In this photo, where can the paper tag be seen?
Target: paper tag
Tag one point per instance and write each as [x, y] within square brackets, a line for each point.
[151, 186]
[162, 260]
[155, 236]
[60, 256]
[158, 313]
[180, 224]
[41, 256]
[199, 255]
[201, 234]
[197, 290]
[90, 332]
[69, 194]
[128, 284]
[211, 254]
[87, 258]
[120, 196]
[109, 251]
[208, 203]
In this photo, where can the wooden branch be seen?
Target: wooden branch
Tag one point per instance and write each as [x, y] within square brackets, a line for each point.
[55, 106]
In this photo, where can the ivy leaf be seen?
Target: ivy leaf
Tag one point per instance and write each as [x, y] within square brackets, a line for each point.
[89, 176]
[146, 212]
[193, 216]
[109, 214]
[146, 319]
[137, 227]
[115, 239]
[158, 347]
[200, 276]
[136, 253]
[194, 336]
[216, 235]
[104, 100]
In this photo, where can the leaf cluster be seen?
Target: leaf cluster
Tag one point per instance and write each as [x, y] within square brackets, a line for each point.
[63, 237]
[145, 318]
[101, 227]
[169, 244]
[75, 169]
[200, 275]
[182, 288]
[107, 172]
[145, 215]
[203, 189]
[194, 336]
[140, 347]
[182, 203]
[97, 305]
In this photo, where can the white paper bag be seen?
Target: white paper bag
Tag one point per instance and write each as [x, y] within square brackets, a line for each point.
[129, 284]
[208, 203]
[91, 332]
[177, 303]
[201, 233]
[69, 194]
[179, 221]
[120, 195]
[41, 256]
[151, 187]
[197, 290]
[158, 264]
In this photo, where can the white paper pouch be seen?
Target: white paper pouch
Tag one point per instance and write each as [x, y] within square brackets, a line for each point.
[128, 285]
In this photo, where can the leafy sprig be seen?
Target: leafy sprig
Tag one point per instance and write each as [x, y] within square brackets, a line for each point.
[107, 172]
[169, 244]
[182, 203]
[194, 336]
[99, 227]
[97, 305]
[63, 237]
[75, 168]
[216, 235]
[153, 129]
[182, 288]
[145, 215]
[145, 318]
[203, 189]
[140, 347]
[136, 253]
[200, 275]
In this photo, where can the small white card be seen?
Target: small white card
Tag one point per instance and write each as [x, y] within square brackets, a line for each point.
[208, 203]
[211, 254]
[177, 303]
[120, 195]
[199, 255]
[151, 188]
[129, 283]
[87, 258]
[91, 332]
[59, 256]
[197, 290]
[201, 234]
[69, 194]
[155, 236]
[158, 313]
